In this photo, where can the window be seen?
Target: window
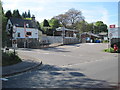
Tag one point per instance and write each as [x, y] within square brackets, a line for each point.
[27, 25]
[18, 34]
[28, 33]
[9, 26]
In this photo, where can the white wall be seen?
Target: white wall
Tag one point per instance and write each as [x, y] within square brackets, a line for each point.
[53, 39]
[59, 39]
[22, 32]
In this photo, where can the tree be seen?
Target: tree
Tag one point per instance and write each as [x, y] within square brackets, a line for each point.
[54, 23]
[70, 18]
[46, 23]
[16, 14]
[23, 15]
[2, 11]
[100, 27]
[4, 40]
[26, 15]
[38, 25]
[74, 16]
[29, 15]
[8, 14]
[62, 18]
[82, 26]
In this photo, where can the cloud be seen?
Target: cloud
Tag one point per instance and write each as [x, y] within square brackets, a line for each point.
[46, 9]
[96, 13]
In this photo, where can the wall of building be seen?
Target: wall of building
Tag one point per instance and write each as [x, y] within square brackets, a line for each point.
[22, 32]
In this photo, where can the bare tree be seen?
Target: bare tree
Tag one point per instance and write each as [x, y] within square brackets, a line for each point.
[62, 19]
[74, 16]
[70, 18]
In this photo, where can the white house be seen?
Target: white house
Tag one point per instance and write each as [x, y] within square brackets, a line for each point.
[23, 31]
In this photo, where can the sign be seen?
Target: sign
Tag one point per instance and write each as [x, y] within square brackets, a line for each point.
[14, 41]
[110, 35]
[115, 32]
[112, 26]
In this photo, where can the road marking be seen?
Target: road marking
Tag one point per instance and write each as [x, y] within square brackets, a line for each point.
[90, 43]
[4, 79]
[46, 53]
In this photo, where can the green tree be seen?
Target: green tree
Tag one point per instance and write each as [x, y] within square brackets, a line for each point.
[4, 23]
[54, 23]
[23, 15]
[29, 15]
[8, 14]
[82, 26]
[46, 23]
[38, 25]
[26, 15]
[100, 27]
[16, 14]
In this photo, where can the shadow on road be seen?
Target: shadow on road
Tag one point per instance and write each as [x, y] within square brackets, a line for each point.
[50, 76]
[56, 49]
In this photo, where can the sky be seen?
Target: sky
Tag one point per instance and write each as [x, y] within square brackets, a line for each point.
[92, 10]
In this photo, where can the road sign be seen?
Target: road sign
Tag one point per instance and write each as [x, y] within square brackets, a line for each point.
[14, 41]
[110, 35]
[112, 26]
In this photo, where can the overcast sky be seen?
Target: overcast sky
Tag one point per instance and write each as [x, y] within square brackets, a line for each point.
[45, 9]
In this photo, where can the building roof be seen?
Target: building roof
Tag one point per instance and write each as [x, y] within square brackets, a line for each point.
[18, 22]
[92, 34]
[62, 28]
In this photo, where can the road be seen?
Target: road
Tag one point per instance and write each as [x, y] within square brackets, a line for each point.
[76, 66]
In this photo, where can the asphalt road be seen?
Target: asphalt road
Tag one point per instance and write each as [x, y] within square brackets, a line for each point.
[76, 66]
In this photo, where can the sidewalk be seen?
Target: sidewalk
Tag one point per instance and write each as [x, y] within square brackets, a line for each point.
[21, 67]
[55, 45]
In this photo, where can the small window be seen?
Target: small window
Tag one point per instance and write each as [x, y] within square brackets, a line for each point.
[28, 33]
[9, 26]
[27, 25]
[18, 34]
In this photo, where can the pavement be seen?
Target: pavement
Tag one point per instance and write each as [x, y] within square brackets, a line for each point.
[24, 66]
[27, 64]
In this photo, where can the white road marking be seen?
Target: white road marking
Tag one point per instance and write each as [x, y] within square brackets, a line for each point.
[4, 79]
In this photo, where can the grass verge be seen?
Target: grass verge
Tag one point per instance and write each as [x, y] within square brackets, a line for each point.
[8, 58]
[111, 50]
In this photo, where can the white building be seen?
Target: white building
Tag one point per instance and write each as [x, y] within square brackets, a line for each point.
[23, 31]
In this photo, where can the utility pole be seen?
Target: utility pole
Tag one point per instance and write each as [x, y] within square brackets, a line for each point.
[63, 33]
[14, 41]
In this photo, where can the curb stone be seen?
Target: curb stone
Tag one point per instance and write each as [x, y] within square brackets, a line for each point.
[22, 71]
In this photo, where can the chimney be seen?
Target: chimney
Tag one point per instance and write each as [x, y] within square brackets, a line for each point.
[33, 17]
[34, 21]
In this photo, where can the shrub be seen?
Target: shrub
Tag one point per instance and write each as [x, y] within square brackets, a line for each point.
[8, 58]
[105, 41]
[111, 50]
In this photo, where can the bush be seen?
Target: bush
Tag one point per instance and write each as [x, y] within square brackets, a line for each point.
[105, 41]
[9, 58]
[111, 50]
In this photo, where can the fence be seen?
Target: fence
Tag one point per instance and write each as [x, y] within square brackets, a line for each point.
[45, 41]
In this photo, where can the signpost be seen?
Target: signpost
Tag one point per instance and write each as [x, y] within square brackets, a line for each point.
[14, 40]
[110, 35]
